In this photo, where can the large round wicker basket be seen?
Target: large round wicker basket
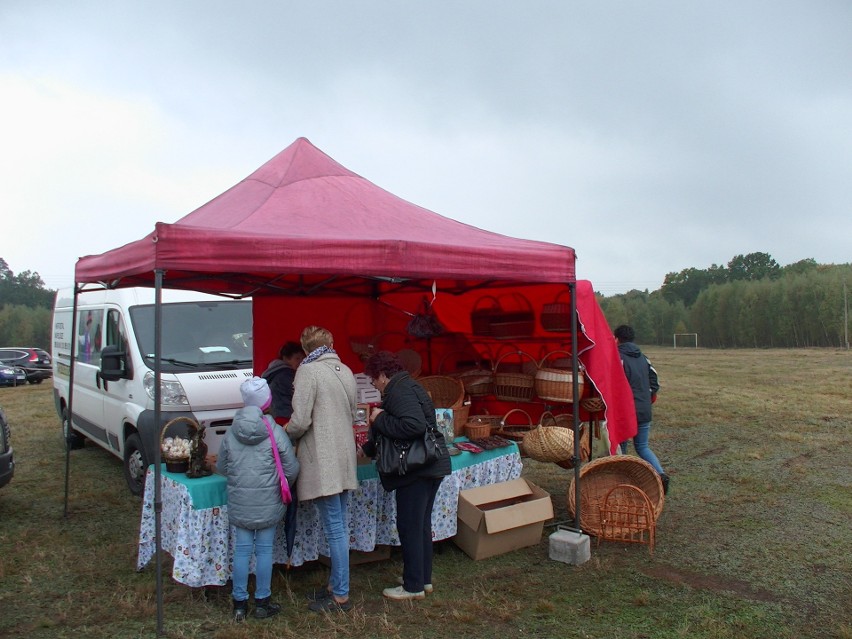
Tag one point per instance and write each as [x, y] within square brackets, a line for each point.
[600, 475]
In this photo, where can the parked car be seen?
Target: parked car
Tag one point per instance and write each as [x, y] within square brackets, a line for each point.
[36, 362]
[7, 456]
[12, 375]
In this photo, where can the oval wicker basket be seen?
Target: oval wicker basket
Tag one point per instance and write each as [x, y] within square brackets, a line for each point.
[557, 384]
[515, 432]
[511, 385]
[549, 443]
[600, 475]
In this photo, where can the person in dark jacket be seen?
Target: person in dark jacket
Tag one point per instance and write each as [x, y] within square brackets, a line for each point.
[644, 383]
[254, 494]
[406, 412]
[280, 375]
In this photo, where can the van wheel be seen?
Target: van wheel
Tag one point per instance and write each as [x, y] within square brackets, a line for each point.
[73, 440]
[135, 464]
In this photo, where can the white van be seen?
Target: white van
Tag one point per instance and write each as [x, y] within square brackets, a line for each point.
[206, 353]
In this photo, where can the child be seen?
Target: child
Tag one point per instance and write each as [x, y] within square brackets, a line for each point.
[255, 506]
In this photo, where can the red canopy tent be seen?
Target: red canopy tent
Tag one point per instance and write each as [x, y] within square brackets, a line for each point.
[304, 226]
[311, 242]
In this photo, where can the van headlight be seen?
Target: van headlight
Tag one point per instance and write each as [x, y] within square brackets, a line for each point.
[171, 391]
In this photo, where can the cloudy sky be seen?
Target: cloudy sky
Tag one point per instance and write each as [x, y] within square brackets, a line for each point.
[650, 136]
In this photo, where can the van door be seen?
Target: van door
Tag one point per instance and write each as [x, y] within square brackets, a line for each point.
[118, 394]
[88, 396]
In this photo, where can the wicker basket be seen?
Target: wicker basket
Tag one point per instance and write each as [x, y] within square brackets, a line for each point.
[513, 385]
[515, 432]
[478, 427]
[481, 314]
[593, 404]
[178, 464]
[549, 443]
[566, 420]
[599, 476]
[446, 392]
[411, 360]
[556, 316]
[515, 318]
[556, 384]
[477, 382]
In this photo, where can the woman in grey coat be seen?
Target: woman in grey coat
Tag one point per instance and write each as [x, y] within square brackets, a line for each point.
[254, 494]
[324, 405]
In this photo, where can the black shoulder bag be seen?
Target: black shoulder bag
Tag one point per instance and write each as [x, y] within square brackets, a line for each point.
[402, 456]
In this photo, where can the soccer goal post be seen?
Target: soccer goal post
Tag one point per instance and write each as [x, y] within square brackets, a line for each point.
[686, 340]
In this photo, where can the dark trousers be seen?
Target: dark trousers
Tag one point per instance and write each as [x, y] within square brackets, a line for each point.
[414, 523]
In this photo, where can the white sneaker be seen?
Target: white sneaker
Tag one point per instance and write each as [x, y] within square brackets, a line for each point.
[401, 594]
[427, 588]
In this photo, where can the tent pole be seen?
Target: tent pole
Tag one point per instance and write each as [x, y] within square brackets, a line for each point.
[70, 396]
[575, 374]
[158, 499]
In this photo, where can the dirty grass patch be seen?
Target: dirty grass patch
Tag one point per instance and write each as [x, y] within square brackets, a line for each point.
[753, 540]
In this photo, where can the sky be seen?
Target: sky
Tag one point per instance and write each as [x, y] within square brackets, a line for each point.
[649, 136]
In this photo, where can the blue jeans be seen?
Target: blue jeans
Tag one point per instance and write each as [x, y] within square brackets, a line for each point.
[640, 443]
[332, 512]
[261, 541]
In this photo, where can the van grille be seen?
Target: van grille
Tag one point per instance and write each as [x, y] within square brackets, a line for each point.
[226, 375]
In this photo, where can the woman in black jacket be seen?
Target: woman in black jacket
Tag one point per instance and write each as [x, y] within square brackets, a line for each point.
[406, 412]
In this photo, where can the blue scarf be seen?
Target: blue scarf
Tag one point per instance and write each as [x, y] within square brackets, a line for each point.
[316, 354]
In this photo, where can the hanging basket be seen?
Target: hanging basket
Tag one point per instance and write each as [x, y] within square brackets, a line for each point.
[599, 476]
[514, 319]
[445, 392]
[556, 384]
[480, 315]
[518, 431]
[513, 385]
[556, 315]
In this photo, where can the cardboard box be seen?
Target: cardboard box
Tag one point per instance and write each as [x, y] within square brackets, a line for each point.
[499, 518]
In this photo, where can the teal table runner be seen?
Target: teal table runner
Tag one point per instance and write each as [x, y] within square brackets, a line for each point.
[208, 492]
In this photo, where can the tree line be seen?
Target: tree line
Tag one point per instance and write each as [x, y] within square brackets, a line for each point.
[751, 303]
[26, 309]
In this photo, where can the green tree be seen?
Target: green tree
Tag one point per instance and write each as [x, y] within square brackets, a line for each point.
[753, 266]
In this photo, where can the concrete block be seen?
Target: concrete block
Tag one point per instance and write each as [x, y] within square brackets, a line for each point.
[570, 547]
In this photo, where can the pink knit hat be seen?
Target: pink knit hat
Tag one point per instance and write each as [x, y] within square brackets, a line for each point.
[255, 392]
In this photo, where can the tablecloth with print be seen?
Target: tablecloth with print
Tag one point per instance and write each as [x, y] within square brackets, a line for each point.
[201, 541]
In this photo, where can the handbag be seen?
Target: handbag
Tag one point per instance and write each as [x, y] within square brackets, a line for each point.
[286, 496]
[402, 456]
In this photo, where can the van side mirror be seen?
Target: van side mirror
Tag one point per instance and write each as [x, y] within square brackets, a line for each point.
[114, 364]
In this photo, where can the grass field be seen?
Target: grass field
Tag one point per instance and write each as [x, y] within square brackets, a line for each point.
[753, 542]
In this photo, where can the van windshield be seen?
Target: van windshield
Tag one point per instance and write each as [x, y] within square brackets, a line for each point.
[197, 335]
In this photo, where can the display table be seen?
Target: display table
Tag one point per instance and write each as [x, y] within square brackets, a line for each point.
[196, 533]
